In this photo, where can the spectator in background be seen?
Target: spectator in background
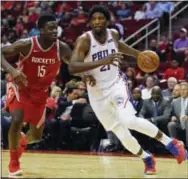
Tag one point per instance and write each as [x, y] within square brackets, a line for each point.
[181, 44]
[52, 102]
[4, 41]
[79, 19]
[170, 55]
[137, 100]
[167, 93]
[116, 25]
[123, 12]
[64, 109]
[51, 124]
[166, 7]
[34, 31]
[154, 46]
[176, 93]
[150, 83]
[24, 34]
[152, 10]
[179, 119]
[19, 26]
[156, 109]
[174, 71]
[24, 16]
[130, 73]
[163, 43]
[140, 14]
[81, 89]
[33, 16]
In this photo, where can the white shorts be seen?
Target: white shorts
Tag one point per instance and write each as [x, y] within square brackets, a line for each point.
[115, 108]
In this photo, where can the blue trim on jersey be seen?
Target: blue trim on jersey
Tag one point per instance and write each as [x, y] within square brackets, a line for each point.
[125, 79]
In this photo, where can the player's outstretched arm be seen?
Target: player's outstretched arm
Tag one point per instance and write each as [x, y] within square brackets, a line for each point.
[124, 48]
[77, 64]
[11, 50]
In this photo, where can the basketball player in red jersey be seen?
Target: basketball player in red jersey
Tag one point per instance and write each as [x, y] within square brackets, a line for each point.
[39, 61]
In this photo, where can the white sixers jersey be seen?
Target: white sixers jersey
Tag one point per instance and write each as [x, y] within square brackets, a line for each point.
[106, 75]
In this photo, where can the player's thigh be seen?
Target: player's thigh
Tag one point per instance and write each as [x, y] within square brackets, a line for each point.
[125, 112]
[105, 112]
[35, 114]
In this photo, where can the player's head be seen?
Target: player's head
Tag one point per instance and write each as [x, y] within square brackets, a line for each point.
[99, 17]
[48, 26]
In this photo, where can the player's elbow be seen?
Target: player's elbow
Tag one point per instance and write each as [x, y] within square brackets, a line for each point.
[71, 68]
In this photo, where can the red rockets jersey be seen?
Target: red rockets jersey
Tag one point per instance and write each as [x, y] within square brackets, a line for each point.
[40, 66]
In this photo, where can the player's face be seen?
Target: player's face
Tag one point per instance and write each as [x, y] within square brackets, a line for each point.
[98, 23]
[50, 30]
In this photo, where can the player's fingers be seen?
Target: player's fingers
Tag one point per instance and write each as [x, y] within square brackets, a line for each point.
[119, 56]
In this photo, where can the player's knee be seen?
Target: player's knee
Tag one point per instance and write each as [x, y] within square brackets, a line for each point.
[16, 126]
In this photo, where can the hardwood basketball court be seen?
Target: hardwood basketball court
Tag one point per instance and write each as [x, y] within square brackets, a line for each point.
[72, 165]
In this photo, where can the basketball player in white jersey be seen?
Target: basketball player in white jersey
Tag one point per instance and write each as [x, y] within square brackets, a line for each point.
[96, 52]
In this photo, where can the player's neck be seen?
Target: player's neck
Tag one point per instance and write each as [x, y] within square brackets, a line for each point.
[44, 43]
[100, 37]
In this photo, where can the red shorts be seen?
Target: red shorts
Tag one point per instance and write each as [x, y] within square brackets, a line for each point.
[34, 113]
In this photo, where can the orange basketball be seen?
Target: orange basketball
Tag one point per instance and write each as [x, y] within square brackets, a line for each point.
[150, 64]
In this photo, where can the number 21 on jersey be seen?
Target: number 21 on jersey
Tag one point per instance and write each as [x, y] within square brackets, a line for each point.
[41, 70]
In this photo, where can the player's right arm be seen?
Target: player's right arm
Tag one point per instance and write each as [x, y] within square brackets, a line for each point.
[11, 50]
[77, 64]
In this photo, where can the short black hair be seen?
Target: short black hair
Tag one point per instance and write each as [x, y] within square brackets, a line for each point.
[101, 9]
[44, 18]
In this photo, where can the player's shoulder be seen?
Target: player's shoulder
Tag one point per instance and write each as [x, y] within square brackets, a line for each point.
[25, 41]
[84, 37]
[115, 34]
[84, 40]
[63, 44]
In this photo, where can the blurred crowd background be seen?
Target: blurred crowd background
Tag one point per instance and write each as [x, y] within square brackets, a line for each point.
[70, 121]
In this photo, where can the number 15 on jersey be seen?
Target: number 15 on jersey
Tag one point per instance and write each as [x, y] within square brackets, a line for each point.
[41, 70]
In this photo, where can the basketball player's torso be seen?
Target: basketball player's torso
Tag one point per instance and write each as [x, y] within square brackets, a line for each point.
[105, 75]
[40, 65]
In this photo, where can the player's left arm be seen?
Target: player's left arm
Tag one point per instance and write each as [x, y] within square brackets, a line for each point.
[124, 48]
[65, 52]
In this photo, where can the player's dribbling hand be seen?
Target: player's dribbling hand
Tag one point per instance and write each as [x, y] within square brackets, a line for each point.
[113, 59]
[89, 79]
[19, 77]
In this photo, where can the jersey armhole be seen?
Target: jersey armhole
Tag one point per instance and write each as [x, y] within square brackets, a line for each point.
[58, 50]
[115, 41]
[30, 51]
